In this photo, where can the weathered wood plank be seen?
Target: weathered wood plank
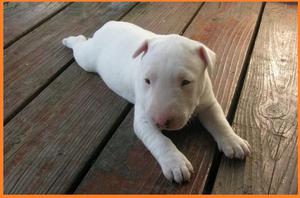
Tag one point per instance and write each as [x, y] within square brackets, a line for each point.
[48, 144]
[36, 58]
[267, 111]
[20, 18]
[14, 131]
[125, 165]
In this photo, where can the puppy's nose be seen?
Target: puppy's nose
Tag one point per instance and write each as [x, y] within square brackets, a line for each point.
[163, 122]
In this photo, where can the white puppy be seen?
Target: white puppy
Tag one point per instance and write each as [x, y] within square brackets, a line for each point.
[166, 77]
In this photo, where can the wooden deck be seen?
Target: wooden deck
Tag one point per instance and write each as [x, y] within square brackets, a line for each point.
[66, 132]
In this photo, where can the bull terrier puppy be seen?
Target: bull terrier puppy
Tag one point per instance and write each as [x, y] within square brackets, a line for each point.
[166, 77]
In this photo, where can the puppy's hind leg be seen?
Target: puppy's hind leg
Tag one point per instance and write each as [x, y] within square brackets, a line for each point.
[82, 51]
[71, 41]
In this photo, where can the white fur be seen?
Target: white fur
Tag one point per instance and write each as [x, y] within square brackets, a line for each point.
[125, 55]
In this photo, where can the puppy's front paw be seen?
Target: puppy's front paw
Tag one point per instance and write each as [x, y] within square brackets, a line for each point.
[176, 167]
[234, 147]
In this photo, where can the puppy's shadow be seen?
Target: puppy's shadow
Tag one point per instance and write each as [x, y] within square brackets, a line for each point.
[189, 134]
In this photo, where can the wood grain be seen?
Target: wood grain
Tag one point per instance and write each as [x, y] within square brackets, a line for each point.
[267, 111]
[48, 144]
[36, 58]
[20, 18]
[125, 165]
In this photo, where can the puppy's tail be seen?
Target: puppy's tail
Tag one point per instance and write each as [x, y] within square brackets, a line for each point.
[71, 41]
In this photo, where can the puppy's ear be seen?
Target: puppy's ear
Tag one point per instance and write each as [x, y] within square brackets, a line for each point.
[142, 49]
[208, 57]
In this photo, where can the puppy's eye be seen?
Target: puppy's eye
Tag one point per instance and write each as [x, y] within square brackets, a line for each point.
[185, 82]
[147, 81]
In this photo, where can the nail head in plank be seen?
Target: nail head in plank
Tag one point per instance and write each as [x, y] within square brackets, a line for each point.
[125, 165]
[267, 111]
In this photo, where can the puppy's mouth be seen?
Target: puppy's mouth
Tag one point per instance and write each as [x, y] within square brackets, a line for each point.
[177, 125]
[170, 129]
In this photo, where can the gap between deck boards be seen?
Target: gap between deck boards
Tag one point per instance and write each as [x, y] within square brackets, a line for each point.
[216, 162]
[233, 107]
[123, 115]
[55, 75]
[35, 94]
[35, 26]
[71, 61]
[81, 174]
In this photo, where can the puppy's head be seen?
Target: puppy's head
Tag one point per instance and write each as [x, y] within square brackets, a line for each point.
[171, 78]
